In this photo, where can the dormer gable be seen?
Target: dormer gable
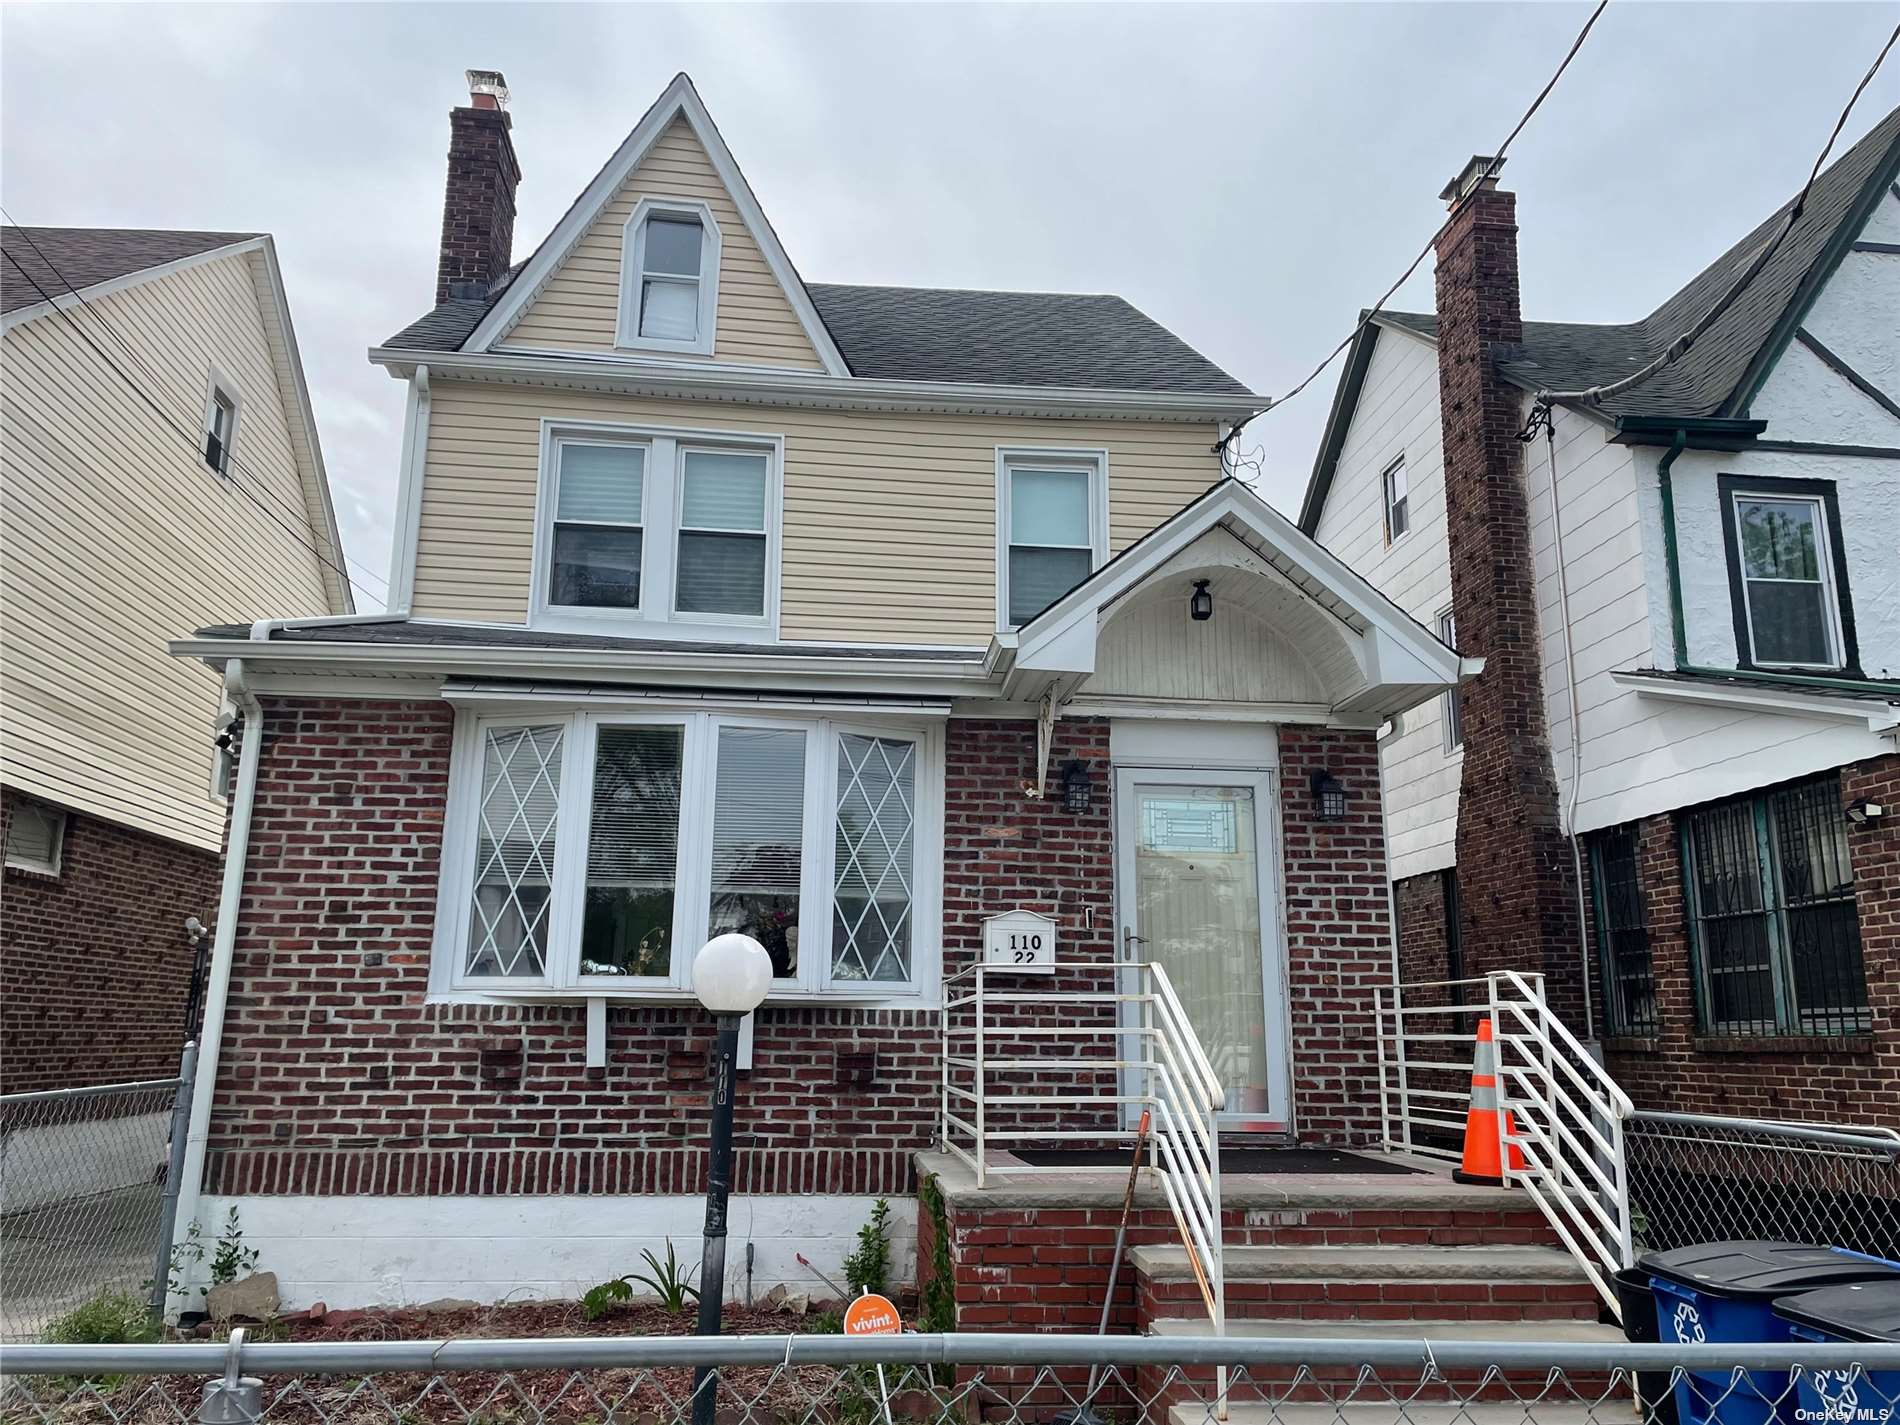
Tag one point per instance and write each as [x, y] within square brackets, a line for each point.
[666, 256]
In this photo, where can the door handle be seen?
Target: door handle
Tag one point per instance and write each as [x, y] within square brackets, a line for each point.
[1129, 941]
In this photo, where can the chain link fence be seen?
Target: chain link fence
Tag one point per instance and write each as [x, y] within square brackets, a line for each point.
[86, 1183]
[936, 1380]
[1695, 1178]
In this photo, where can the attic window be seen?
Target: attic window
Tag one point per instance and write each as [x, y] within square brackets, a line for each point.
[220, 423]
[1398, 501]
[669, 278]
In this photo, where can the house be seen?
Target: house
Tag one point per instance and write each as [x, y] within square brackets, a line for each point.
[1673, 789]
[847, 617]
[160, 466]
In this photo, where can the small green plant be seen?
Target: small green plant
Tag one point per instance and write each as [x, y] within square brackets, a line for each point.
[597, 1301]
[667, 1280]
[937, 1298]
[868, 1269]
[182, 1254]
[105, 1319]
[231, 1259]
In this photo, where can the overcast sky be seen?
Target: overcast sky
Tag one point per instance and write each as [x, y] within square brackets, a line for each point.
[1250, 176]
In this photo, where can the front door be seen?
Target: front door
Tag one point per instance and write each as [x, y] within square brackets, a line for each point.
[1195, 893]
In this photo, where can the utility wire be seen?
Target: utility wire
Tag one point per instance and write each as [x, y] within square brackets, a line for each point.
[1677, 349]
[191, 438]
[1365, 320]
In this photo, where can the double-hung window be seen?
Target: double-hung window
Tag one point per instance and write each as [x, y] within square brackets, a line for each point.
[1772, 915]
[1398, 500]
[1453, 716]
[594, 852]
[1053, 527]
[1787, 574]
[657, 532]
[669, 277]
[220, 423]
[1622, 926]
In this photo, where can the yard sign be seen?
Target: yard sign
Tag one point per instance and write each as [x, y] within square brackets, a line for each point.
[1020, 941]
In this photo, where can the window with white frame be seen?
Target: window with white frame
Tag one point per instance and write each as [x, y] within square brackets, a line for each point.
[1052, 525]
[1787, 577]
[669, 277]
[1398, 508]
[596, 851]
[1453, 715]
[36, 835]
[220, 423]
[668, 530]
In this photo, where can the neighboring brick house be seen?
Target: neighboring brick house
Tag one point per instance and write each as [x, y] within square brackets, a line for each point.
[1720, 587]
[843, 616]
[160, 466]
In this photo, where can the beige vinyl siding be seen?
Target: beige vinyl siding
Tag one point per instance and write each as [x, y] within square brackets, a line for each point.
[578, 308]
[118, 538]
[890, 519]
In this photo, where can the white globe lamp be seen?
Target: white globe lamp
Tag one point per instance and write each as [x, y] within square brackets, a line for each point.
[731, 974]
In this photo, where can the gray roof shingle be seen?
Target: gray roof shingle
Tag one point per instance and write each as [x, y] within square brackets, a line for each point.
[86, 256]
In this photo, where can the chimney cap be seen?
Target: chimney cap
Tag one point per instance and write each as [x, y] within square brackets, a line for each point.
[487, 89]
[1481, 171]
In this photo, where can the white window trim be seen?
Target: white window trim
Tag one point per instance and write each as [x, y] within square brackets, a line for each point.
[1386, 502]
[660, 502]
[1449, 714]
[50, 866]
[693, 884]
[633, 241]
[218, 384]
[1824, 560]
[1093, 460]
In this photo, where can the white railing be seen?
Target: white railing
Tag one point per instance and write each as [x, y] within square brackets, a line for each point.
[1561, 1116]
[1000, 1090]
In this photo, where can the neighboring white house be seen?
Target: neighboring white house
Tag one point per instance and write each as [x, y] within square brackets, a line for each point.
[1717, 597]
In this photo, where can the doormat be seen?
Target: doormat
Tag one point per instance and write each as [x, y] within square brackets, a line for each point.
[1232, 1160]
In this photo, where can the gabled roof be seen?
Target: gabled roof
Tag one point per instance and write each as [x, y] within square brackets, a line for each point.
[88, 256]
[927, 334]
[1721, 373]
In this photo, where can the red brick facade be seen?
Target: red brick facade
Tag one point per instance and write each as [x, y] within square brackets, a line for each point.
[95, 965]
[478, 205]
[1518, 900]
[1851, 1078]
[337, 1076]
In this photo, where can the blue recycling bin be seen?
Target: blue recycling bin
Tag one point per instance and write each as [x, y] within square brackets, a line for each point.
[1724, 1292]
[1856, 1311]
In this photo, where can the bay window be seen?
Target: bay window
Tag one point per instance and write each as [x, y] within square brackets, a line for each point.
[594, 852]
[657, 532]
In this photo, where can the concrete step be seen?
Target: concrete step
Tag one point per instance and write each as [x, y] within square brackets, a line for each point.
[1410, 1329]
[1368, 1264]
[1606, 1412]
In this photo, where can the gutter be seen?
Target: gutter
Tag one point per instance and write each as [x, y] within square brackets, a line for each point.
[1672, 557]
[223, 948]
[783, 389]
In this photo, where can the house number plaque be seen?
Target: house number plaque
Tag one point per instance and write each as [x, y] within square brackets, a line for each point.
[1021, 941]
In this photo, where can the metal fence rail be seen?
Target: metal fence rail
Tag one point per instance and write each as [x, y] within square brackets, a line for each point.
[84, 1195]
[1012, 1380]
[1696, 1178]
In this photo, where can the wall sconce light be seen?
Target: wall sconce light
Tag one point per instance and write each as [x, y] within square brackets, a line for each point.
[1078, 791]
[1200, 602]
[1860, 811]
[1329, 796]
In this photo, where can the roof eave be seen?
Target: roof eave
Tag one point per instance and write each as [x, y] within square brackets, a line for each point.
[1352, 381]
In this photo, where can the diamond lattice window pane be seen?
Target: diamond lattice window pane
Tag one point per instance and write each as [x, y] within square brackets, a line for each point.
[877, 822]
[514, 851]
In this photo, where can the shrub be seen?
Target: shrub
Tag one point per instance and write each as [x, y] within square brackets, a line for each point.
[107, 1318]
[868, 1269]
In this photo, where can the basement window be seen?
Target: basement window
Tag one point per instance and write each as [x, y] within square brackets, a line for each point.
[36, 837]
[595, 852]
[669, 278]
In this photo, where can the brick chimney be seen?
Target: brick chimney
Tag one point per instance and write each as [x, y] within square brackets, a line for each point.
[1516, 888]
[478, 205]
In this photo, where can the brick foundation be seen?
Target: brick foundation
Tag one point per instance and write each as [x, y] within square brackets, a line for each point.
[95, 966]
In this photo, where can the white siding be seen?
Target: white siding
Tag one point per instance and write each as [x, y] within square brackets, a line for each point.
[119, 538]
[1398, 415]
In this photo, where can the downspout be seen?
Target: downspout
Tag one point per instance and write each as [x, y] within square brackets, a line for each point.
[1672, 558]
[223, 946]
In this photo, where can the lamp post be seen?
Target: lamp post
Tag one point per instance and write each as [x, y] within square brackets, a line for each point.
[731, 974]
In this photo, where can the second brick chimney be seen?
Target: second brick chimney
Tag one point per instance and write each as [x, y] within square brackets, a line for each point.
[478, 205]
[1516, 890]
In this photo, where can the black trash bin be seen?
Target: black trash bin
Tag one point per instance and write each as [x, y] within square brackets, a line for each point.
[1858, 1311]
[1638, 1304]
[1724, 1293]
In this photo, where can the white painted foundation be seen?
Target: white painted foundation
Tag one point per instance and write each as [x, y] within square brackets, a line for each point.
[397, 1251]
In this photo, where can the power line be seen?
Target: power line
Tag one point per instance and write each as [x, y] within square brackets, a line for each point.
[191, 438]
[1365, 319]
[1677, 349]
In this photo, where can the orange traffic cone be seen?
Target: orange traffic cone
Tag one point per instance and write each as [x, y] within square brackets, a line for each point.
[1483, 1133]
